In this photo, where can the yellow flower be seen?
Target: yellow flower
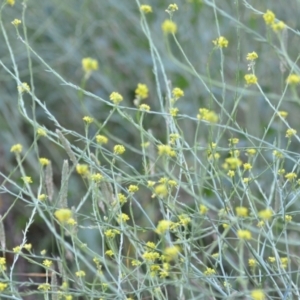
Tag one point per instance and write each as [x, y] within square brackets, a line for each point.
[71, 222]
[16, 22]
[207, 115]
[27, 179]
[252, 262]
[42, 197]
[47, 263]
[41, 132]
[119, 149]
[177, 93]
[146, 9]
[174, 111]
[221, 42]
[96, 177]
[172, 7]
[290, 132]
[88, 119]
[10, 2]
[17, 249]
[244, 234]
[80, 273]
[246, 180]
[111, 233]
[290, 176]
[247, 166]
[44, 287]
[135, 263]
[241, 211]
[271, 259]
[28, 247]
[233, 162]
[269, 17]
[144, 107]
[209, 272]
[151, 245]
[250, 79]
[277, 154]
[109, 253]
[133, 188]
[203, 209]
[161, 190]
[166, 150]
[122, 198]
[116, 98]
[265, 214]
[141, 91]
[293, 79]
[278, 26]
[281, 171]
[82, 169]
[230, 173]
[63, 215]
[163, 226]
[24, 87]
[283, 114]
[252, 56]
[122, 218]
[44, 161]
[2, 264]
[150, 183]
[171, 253]
[233, 141]
[169, 26]
[251, 152]
[89, 64]
[184, 220]
[101, 139]
[288, 218]
[17, 148]
[258, 295]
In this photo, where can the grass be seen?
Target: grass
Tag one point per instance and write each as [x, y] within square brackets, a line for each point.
[141, 162]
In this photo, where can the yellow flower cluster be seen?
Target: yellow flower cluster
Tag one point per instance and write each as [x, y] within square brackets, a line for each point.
[169, 26]
[250, 79]
[89, 64]
[146, 9]
[221, 42]
[270, 19]
[142, 91]
[207, 115]
[166, 150]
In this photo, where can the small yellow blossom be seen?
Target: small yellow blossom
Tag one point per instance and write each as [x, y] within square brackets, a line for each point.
[169, 26]
[173, 138]
[28, 247]
[71, 222]
[97, 177]
[47, 263]
[269, 17]
[24, 87]
[27, 179]
[221, 42]
[174, 111]
[122, 218]
[203, 209]
[44, 287]
[2, 264]
[278, 26]
[250, 79]
[135, 263]
[166, 150]
[271, 259]
[283, 114]
[258, 295]
[145, 145]
[233, 141]
[122, 198]
[225, 225]
[252, 56]
[116, 98]
[247, 166]
[177, 93]
[277, 154]
[119, 149]
[144, 107]
[290, 132]
[43, 252]
[44, 161]
[133, 188]
[244, 234]
[109, 253]
[293, 79]
[17, 148]
[161, 190]
[260, 224]
[82, 169]
[151, 245]
[171, 253]
[163, 226]
[89, 64]
[146, 9]
[10, 2]
[207, 115]
[150, 256]
[101, 139]
[231, 173]
[142, 91]
[3, 286]
[281, 172]
[209, 272]
[17, 249]
[265, 214]
[63, 215]
[288, 218]
[80, 273]
[251, 151]
[241, 211]
[184, 220]
[246, 180]
[252, 262]
[111, 233]
[172, 7]
[42, 197]
[41, 132]
[16, 22]
[290, 176]
[88, 120]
